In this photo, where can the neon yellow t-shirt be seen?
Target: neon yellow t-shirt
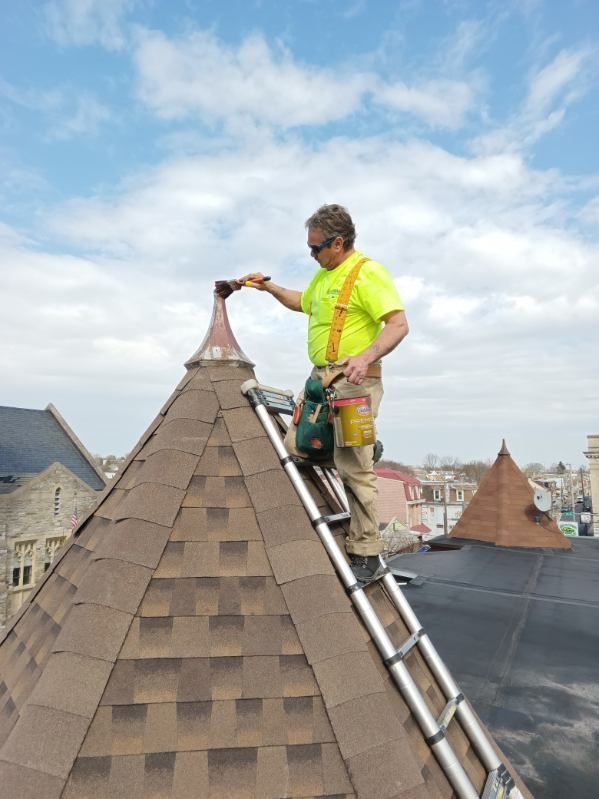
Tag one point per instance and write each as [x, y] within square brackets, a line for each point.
[373, 296]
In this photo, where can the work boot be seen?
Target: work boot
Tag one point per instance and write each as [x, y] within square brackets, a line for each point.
[367, 568]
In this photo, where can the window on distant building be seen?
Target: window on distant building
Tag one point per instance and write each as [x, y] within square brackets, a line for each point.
[22, 567]
[52, 546]
[57, 502]
[459, 495]
[437, 494]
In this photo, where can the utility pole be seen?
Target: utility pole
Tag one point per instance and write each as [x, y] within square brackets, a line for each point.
[445, 520]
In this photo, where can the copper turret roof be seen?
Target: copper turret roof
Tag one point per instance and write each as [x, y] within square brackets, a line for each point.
[503, 512]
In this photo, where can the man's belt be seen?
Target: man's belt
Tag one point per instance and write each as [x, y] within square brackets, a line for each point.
[335, 371]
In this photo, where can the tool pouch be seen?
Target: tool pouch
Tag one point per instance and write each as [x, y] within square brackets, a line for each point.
[314, 435]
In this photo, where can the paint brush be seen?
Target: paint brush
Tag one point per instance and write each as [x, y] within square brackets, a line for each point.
[224, 288]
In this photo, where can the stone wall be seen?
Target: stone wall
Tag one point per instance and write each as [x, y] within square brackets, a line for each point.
[34, 523]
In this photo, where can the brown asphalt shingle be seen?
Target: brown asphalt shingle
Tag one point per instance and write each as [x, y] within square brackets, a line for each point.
[502, 511]
[193, 639]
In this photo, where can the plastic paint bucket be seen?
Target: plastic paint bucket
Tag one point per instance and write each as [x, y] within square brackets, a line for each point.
[353, 422]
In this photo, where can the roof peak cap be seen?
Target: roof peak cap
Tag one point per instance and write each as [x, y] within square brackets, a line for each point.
[219, 344]
[504, 450]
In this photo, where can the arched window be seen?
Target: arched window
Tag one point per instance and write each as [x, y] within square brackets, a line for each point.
[22, 569]
[57, 502]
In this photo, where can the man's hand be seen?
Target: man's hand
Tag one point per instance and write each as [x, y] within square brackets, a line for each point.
[355, 368]
[255, 280]
[288, 297]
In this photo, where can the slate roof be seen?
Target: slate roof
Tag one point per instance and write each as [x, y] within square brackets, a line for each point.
[518, 628]
[502, 511]
[32, 440]
[192, 640]
[10, 482]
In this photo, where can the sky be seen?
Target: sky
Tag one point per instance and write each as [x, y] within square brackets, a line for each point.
[148, 148]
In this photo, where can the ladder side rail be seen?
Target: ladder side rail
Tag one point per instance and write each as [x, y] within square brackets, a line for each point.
[464, 712]
[434, 736]
[336, 486]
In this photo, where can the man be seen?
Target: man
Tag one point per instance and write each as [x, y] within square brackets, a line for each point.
[375, 324]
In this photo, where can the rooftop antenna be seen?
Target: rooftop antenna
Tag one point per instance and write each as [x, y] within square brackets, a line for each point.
[542, 500]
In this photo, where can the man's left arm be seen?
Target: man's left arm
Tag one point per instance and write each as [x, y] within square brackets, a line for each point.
[394, 331]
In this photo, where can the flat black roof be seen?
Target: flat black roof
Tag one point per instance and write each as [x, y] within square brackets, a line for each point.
[519, 630]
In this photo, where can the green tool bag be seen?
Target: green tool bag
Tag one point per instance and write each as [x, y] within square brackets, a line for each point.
[314, 435]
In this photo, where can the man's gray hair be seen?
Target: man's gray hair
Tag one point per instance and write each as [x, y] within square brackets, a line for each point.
[334, 220]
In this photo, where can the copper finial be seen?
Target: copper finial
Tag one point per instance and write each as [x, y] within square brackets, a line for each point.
[219, 343]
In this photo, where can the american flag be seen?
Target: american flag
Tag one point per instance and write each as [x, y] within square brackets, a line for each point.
[74, 518]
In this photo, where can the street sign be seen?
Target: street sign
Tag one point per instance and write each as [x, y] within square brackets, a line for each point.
[568, 528]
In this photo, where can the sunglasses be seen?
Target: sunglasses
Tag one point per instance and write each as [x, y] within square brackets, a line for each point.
[316, 248]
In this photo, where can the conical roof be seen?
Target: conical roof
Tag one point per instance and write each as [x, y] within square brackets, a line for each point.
[193, 639]
[502, 511]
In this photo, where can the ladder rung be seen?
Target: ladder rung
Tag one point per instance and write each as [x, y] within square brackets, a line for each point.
[498, 785]
[403, 650]
[335, 517]
[299, 461]
[276, 400]
[449, 711]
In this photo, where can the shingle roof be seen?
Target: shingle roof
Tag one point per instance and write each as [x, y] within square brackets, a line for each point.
[31, 440]
[502, 511]
[194, 641]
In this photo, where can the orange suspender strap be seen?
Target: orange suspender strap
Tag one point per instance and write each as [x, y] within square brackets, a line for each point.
[341, 307]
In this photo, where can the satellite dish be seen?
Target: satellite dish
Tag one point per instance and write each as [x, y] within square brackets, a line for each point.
[542, 499]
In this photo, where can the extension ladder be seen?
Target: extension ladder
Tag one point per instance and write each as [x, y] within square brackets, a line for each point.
[268, 401]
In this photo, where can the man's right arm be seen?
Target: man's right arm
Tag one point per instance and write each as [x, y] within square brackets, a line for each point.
[288, 297]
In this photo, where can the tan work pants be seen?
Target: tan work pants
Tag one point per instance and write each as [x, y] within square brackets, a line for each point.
[356, 470]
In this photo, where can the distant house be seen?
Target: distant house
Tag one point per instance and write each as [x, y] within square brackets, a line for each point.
[400, 499]
[47, 481]
[443, 498]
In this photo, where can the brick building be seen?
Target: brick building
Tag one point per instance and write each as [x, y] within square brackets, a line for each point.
[46, 478]
[400, 498]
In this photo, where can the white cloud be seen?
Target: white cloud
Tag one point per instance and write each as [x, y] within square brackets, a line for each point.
[467, 40]
[46, 100]
[86, 119]
[551, 90]
[86, 22]
[589, 214]
[66, 113]
[490, 278]
[493, 277]
[549, 83]
[442, 103]
[199, 75]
